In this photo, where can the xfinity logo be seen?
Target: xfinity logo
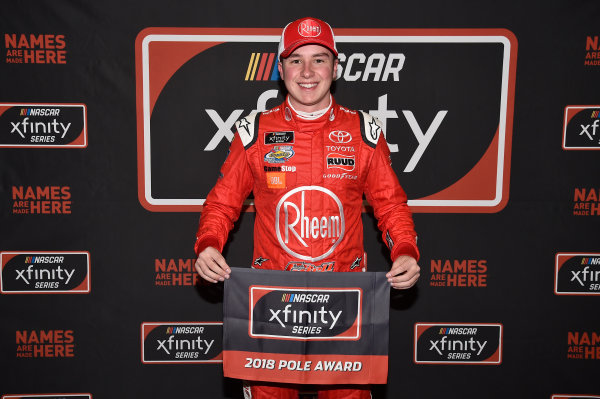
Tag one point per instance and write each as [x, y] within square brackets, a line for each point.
[585, 275]
[581, 128]
[452, 343]
[58, 273]
[304, 316]
[279, 138]
[177, 344]
[305, 313]
[45, 272]
[45, 125]
[577, 274]
[445, 344]
[590, 135]
[26, 126]
[182, 342]
[295, 230]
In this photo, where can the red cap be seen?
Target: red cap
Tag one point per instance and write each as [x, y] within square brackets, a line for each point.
[306, 31]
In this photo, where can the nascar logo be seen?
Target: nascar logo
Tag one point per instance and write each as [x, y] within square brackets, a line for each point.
[262, 67]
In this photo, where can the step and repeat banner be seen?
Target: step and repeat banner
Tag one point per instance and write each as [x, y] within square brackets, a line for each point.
[115, 118]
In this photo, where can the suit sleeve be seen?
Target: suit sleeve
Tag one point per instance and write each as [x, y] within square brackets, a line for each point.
[386, 196]
[224, 202]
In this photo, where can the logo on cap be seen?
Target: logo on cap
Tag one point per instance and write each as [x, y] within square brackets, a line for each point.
[309, 28]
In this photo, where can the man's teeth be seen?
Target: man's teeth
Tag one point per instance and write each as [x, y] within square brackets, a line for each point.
[307, 85]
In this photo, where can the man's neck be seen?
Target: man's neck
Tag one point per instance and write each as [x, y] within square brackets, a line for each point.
[311, 115]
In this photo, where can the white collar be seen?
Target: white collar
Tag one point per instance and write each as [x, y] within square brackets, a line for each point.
[311, 115]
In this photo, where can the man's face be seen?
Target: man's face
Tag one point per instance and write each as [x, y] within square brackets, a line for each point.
[308, 73]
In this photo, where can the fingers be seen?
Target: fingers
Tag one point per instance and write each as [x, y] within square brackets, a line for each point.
[211, 265]
[404, 273]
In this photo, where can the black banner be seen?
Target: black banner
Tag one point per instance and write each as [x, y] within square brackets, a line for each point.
[307, 328]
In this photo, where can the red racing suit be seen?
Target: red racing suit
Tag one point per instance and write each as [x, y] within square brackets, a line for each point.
[308, 178]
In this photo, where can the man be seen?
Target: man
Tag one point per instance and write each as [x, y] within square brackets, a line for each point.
[308, 162]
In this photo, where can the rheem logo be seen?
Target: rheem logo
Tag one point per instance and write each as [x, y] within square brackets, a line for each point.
[309, 28]
[298, 232]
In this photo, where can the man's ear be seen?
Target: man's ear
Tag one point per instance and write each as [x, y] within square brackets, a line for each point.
[280, 69]
[336, 62]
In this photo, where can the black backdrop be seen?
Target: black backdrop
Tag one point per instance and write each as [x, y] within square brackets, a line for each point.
[518, 243]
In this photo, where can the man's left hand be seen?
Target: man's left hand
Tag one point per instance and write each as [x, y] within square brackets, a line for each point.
[404, 272]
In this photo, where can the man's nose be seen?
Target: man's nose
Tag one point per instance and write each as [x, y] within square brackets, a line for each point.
[307, 69]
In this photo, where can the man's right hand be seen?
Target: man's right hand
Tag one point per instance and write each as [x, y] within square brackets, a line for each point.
[211, 265]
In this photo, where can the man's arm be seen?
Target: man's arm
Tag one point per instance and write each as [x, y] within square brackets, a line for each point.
[221, 209]
[394, 218]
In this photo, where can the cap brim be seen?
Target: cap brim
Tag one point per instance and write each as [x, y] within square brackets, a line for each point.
[291, 48]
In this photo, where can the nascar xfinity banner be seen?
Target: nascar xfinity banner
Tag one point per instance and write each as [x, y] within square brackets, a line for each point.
[306, 328]
[447, 118]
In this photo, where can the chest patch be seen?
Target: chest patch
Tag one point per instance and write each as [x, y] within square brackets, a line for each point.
[279, 154]
[279, 138]
[340, 161]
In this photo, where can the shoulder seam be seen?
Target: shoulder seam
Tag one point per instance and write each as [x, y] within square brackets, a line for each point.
[370, 128]
[247, 128]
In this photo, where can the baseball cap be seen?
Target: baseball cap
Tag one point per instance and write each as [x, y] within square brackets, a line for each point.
[306, 31]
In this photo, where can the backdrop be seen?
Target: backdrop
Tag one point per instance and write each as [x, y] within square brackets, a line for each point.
[116, 116]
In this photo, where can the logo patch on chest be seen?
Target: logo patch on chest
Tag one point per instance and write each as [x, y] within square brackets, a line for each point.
[279, 138]
[276, 179]
[279, 154]
[339, 161]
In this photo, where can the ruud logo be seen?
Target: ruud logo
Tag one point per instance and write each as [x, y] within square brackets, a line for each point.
[43, 125]
[452, 343]
[305, 314]
[182, 342]
[577, 274]
[581, 130]
[339, 161]
[295, 230]
[448, 158]
[45, 272]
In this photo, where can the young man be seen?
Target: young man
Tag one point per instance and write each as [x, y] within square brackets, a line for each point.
[308, 162]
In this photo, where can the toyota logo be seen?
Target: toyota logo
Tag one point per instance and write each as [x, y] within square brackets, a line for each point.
[340, 137]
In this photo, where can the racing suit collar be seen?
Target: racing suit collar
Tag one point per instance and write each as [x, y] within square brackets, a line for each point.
[328, 115]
